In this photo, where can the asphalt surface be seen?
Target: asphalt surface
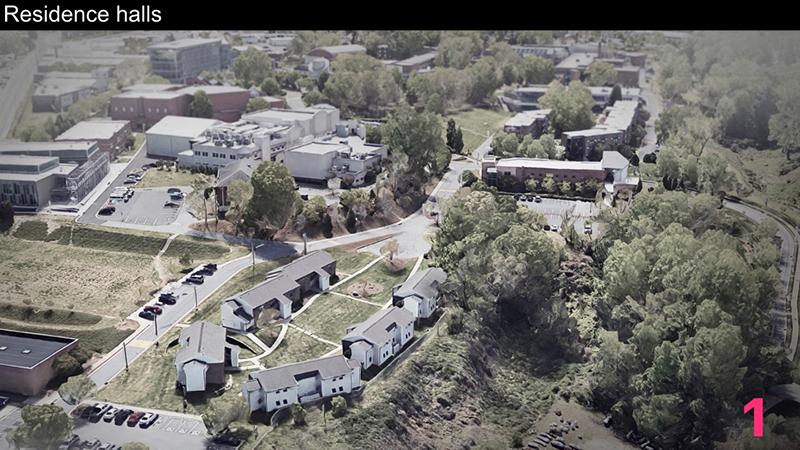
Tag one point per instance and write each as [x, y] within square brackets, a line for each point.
[146, 207]
[170, 431]
[785, 305]
[554, 210]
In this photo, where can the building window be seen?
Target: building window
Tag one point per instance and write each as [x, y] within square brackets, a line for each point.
[333, 390]
[341, 389]
[284, 402]
[278, 403]
[149, 110]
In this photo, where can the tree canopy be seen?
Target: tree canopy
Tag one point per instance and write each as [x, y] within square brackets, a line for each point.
[571, 108]
[273, 197]
[43, 427]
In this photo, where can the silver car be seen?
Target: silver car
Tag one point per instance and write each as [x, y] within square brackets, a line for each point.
[148, 419]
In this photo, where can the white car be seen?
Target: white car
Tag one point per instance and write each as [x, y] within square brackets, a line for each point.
[148, 419]
[109, 415]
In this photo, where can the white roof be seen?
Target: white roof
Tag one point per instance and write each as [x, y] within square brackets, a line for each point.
[182, 43]
[527, 118]
[596, 131]
[551, 164]
[614, 160]
[93, 129]
[190, 127]
[321, 148]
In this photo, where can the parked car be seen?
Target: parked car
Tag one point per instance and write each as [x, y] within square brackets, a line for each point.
[210, 266]
[537, 199]
[130, 181]
[587, 228]
[107, 210]
[204, 271]
[171, 204]
[3, 402]
[173, 190]
[107, 447]
[121, 416]
[148, 419]
[167, 298]
[71, 442]
[91, 445]
[133, 419]
[196, 278]
[109, 415]
[530, 198]
[147, 315]
[153, 309]
[98, 412]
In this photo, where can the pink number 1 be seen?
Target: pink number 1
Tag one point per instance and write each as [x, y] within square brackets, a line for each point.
[757, 405]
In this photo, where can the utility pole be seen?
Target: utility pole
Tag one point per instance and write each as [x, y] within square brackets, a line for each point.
[305, 244]
[195, 297]
[155, 320]
[125, 353]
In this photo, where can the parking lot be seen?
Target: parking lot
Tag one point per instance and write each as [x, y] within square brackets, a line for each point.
[169, 431]
[554, 209]
[146, 207]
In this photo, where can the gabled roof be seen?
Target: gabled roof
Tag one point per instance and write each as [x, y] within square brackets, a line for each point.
[613, 160]
[376, 329]
[240, 166]
[202, 341]
[286, 376]
[424, 283]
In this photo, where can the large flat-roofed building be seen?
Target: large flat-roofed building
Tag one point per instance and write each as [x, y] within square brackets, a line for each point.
[144, 107]
[66, 152]
[318, 161]
[316, 120]
[611, 170]
[573, 66]
[111, 135]
[174, 134]
[182, 60]
[58, 95]
[333, 51]
[602, 94]
[27, 181]
[525, 98]
[303, 382]
[613, 129]
[528, 123]
[414, 64]
[638, 59]
[26, 360]
[628, 75]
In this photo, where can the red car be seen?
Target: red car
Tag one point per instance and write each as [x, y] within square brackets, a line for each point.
[153, 309]
[133, 419]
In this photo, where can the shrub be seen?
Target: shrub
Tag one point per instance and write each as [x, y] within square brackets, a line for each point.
[338, 406]
[455, 322]
[298, 415]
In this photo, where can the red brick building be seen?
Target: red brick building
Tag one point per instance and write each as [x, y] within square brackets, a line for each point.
[111, 135]
[145, 108]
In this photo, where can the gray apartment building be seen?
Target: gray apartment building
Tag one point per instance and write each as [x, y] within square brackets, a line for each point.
[182, 60]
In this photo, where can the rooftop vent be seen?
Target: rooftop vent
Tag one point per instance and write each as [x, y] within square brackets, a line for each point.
[26, 351]
[3, 348]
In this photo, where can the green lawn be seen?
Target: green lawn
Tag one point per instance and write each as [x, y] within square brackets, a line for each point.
[330, 315]
[378, 277]
[348, 262]
[168, 178]
[296, 347]
[204, 249]
[477, 124]
[47, 315]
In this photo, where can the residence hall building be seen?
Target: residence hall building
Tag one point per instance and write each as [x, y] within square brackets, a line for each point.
[184, 59]
[382, 336]
[611, 170]
[419, 294]
[528, 123]
[283, 288]
[203, 356]
[111, 135]
[613, 130]
[144, 107]
[26, 360]
[333, 51]
[280, 387]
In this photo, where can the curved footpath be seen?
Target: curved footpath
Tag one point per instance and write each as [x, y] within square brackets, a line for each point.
[788, 266]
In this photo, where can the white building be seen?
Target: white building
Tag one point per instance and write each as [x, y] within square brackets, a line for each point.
[174, 134]
[379, 338]
[420, 293]
[320, 160]
[303, 382]
[203, 356]
[316, 120]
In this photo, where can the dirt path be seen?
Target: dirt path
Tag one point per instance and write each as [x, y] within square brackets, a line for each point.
[163, 274]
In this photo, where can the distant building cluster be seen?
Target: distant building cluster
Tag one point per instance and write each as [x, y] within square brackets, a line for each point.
[183, 60]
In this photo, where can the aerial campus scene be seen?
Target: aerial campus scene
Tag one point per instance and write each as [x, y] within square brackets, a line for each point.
[250, 239]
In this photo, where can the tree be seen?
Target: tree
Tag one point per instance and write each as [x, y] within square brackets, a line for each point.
[186, 259]
[252, 67]
[484, 80]
[391, 248]
[220, 414]
[350, 222]
[456, 51]
[6, 216]
[314, 97]
[505, 145]
[537, 70]
[616, 94]
[239, 194]
[374, 134]
[571, 108]
[76, 389]
[468, 178]
[784, 126]
[257, 104]
[600, 73]
[270, 86]
[327, 226]
[199, 197]
[273, 197]
[43, 427]
[314, 210]
[338, 406]
[417, 137]
[201, 105]
[135, 446]
[458, 141]
[298, 415]
[362, 83]
[549, 184]
[155, 79]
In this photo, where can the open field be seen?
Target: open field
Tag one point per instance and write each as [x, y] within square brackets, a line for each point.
[376, 283]
[330, 315]
[296, 347]
[349, 262]
[50, 275]
[95, 339]
[168, 178]
[204, 249]
[477, 124]
[47, 315]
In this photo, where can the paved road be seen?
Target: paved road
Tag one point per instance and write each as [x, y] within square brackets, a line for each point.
[785, 304]
[654, 106]
[483, 149]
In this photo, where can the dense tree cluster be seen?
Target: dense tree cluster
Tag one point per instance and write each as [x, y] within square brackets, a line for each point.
[686, 308]
[571, 107]
[509, 145]
[361, 84]
[419, 151]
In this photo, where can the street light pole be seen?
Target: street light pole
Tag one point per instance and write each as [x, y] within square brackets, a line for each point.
[155, 320]
[195, 297]
[125, 353]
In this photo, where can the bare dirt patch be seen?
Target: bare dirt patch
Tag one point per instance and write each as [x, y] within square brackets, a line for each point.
[590, 432]
[365, 288]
